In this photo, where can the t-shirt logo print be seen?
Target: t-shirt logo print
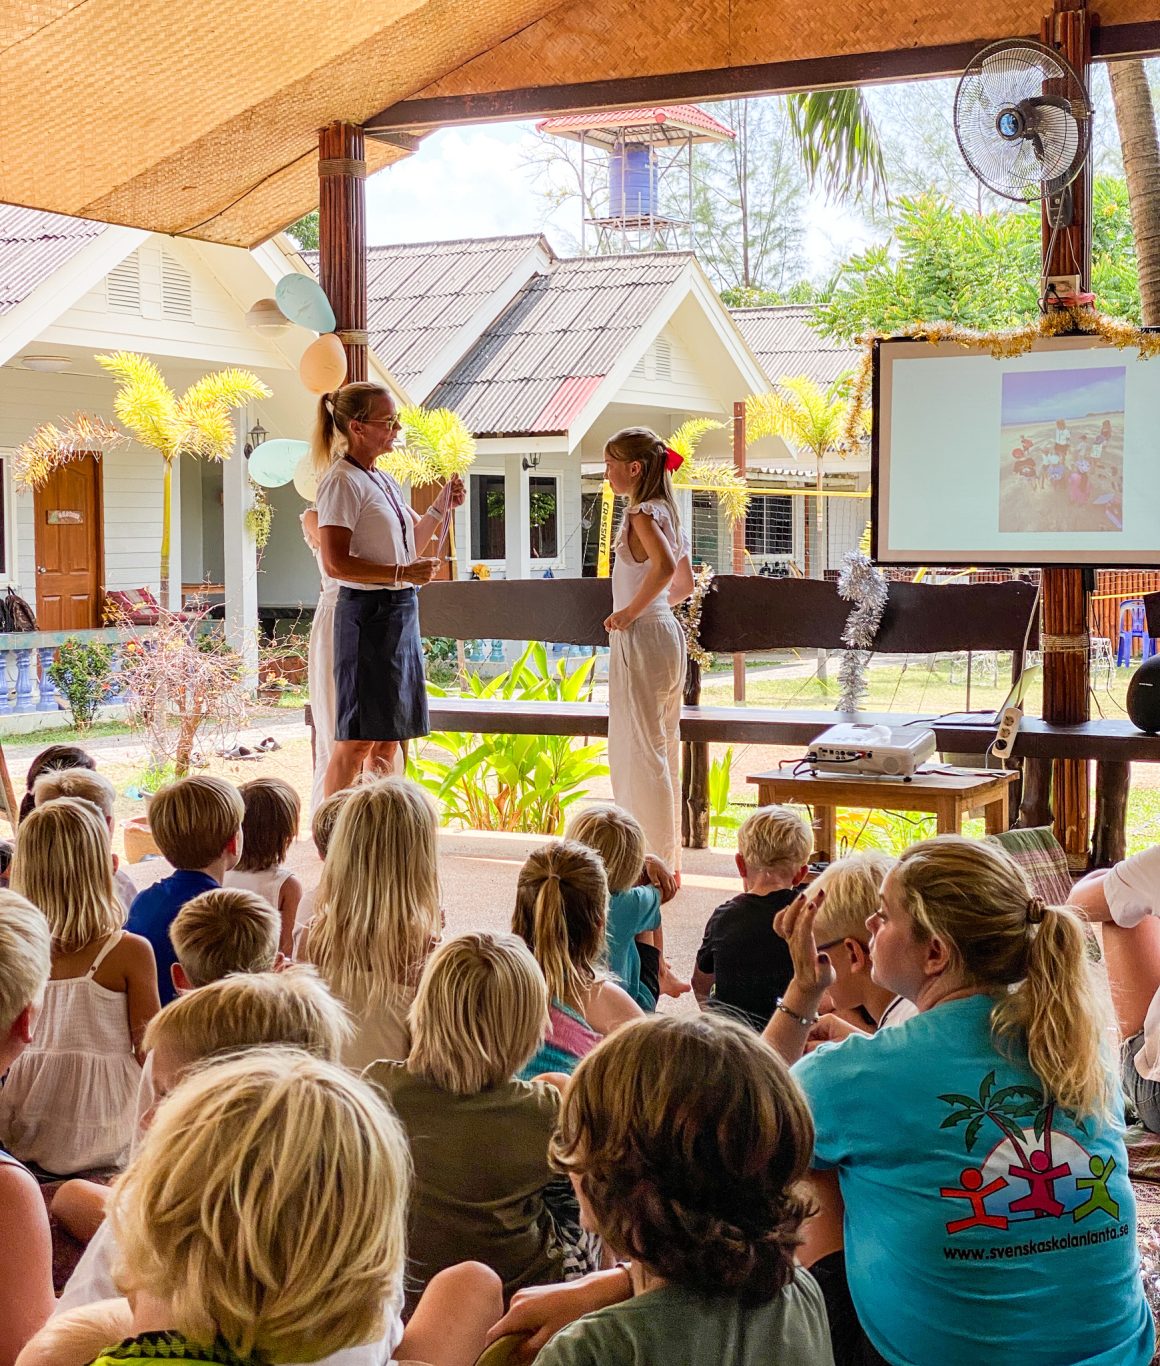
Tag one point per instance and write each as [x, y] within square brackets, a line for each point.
[1034, 1170]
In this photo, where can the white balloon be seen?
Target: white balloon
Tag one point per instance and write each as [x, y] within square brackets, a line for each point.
[305, 480]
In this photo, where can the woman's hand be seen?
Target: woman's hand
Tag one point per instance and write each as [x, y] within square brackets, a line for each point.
[813, 973]
[618, 621]
[417, 572]
[452, 494]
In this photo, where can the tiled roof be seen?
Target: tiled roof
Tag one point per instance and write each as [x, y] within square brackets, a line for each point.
[419, 294]
[681, 119]
[33, 245]
[786, 345]
[537, 365]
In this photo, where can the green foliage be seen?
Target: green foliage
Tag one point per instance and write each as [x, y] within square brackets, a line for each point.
[978, 270]
[154, 776]
[305, 231]
[82, 671]
[806, 416]
[439, 444]
[751, 296]
[720, 816]
[522, 783]
[888, 831]
[838, 142]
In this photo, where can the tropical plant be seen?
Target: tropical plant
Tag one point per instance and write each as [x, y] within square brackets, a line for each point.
[196, 424]
[438, 444]
[838, 142]
[55, 444]
[1003, 1108]
[720, 774]
[1136, 119]
[713, 475]
[521, 783]
[82, 671]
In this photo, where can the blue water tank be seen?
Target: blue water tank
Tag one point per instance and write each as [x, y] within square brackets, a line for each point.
[632, 182]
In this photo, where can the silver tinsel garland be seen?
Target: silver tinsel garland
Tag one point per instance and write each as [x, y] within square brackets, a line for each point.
[864, 586]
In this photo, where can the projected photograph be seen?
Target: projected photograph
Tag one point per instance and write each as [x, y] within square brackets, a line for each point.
[1061, 453]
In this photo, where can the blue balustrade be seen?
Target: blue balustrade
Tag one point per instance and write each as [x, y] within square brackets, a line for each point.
[27, 656]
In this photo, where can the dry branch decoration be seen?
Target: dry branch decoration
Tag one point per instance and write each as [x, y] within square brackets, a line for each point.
[688, 613]
[51, 446]
[865, 586]
[1012, 342]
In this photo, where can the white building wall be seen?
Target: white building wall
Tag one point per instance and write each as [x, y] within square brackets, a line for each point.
[667, 376]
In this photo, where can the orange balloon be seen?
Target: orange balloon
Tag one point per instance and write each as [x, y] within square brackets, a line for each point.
[323, 364]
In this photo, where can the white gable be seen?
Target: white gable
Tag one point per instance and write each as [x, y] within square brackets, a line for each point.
[668, 376]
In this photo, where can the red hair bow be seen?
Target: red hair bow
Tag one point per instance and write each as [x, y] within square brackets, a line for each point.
[673, 459]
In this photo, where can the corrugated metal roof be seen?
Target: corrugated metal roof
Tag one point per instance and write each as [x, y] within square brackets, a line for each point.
[33, 245]
[786, 345]
[536, 366]
[419, 294]
[609, 125]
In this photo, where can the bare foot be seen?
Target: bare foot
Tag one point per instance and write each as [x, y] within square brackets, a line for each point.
[670, 984]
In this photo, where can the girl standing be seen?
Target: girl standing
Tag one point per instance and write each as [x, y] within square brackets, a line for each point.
[320, 662]
[646, 667]
[69, 1102]
[370, 539]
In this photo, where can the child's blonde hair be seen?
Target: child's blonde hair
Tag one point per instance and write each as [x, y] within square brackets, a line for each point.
[976, 899]
[249, 1010]
[25, 956]
[63, 864]
[655, 483]
[616, 836]
[323, 821]
[267, 1206]
[774, 840]
[561, 914]
[77, 1336]
[223, 931]
[270, 824]
[853, 887]
[480, 1013]
[85, 783]
[691, 1143]
[378, 911]
[193, 819]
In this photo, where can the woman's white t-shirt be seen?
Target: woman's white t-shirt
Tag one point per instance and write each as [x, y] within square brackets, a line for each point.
[374, 510]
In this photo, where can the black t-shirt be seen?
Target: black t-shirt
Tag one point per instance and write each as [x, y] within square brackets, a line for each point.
[751, 965]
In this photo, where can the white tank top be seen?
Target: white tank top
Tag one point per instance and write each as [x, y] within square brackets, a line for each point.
[628, 574]
[266, 882]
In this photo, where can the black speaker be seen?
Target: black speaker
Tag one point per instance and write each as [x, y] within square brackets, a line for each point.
[1143, 702]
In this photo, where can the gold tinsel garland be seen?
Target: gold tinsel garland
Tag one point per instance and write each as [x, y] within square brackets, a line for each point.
[1013, 342]
[688, 613]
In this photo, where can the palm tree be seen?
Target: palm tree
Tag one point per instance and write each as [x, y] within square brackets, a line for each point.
[838, 142]
[713, 475]
[1003, 1108]
[197, 424]
[1136, 120]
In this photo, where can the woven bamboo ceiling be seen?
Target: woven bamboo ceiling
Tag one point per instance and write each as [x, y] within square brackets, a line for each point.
[201, 117]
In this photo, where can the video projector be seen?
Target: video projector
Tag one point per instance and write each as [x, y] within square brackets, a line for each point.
[861, 748]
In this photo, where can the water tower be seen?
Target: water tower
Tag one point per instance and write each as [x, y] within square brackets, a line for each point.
[649, 159]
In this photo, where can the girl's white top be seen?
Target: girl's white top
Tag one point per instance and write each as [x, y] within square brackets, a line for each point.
[70, 1099]
[265, 882]
[628, 575]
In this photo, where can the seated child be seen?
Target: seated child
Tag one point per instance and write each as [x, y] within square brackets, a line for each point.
[263, 1219]
[53, 757]
[321, 828]
[89, 786]
[26, 1247]
[7, 849]
[378, 914]
[633, 933]
[71, 1339]
[68, 1101]
[742, 965]
[269, 828]
[687, 1145]
[561, 912]
[479, 1015]
[197, 823]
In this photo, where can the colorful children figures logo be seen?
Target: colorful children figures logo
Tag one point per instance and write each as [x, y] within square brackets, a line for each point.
[1034, 1173]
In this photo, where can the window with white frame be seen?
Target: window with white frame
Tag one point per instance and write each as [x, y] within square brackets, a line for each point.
[488, 517]
[544, 517]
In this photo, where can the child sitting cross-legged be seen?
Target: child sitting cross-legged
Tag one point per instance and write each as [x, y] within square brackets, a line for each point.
[263, 1220]
[561, 912]
[479, 1138]
[742, 965]
[269, 828]
[687, 1143]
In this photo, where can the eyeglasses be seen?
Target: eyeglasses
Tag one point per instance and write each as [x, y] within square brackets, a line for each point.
[392, 422]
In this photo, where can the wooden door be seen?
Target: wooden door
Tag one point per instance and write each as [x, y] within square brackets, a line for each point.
[422, 496]
[70, 547]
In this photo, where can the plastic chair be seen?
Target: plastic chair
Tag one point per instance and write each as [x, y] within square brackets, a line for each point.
[1133, 627]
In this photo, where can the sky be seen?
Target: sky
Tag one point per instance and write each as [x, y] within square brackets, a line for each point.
[1045, 395]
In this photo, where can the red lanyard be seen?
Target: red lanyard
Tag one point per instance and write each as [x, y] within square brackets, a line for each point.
[385, 485]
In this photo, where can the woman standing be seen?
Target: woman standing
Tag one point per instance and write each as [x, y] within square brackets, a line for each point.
[370, 540]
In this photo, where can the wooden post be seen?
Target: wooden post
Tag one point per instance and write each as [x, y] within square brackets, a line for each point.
[342, 237]
[739, 464]
[1066, 667]
[694, 774]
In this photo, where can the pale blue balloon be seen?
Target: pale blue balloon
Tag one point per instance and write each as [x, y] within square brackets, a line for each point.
[302, 300]
[273, 462]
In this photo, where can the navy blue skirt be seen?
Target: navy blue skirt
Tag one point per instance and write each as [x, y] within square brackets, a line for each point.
[380, 690]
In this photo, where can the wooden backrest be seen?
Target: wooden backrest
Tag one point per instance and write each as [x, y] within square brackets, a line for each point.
[741, 613]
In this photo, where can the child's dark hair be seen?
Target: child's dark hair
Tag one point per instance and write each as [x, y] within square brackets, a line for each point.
[561, 913]
[270, 825]
[690, 1141]
[49, 759]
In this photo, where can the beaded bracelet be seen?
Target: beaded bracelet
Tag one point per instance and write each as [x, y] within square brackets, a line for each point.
[806, 1021]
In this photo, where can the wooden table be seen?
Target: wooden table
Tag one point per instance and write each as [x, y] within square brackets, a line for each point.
[950, 794]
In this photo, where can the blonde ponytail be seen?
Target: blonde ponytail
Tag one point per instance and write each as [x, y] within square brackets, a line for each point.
[351, 402]
[322, 438]
[1003, 940]
[561, 911]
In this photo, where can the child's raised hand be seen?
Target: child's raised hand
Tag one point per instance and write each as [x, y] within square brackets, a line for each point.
[813, 972]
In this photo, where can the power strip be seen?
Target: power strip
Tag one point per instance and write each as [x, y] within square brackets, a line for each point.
[1009, 723]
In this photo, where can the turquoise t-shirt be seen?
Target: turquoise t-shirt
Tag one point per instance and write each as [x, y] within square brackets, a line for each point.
[630, 913]
[982, 1224]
